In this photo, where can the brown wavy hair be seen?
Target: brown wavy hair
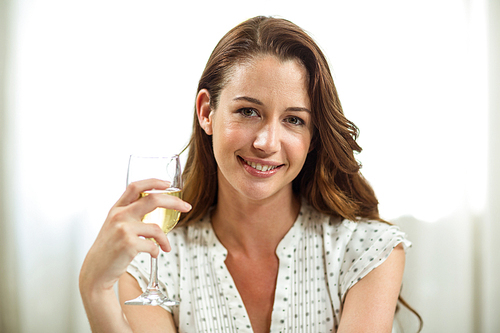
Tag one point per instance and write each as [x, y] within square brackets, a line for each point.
[330, 179]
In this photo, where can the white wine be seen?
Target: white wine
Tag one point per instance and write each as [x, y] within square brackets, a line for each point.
[165, 218]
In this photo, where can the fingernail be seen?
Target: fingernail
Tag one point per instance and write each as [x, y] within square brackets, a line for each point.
[188, 206]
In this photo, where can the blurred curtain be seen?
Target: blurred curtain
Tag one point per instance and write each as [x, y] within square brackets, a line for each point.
[452, 271]
[488, 238]
[9, 306]
[84, 84]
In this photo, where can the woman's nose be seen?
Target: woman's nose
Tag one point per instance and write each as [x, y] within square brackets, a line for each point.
[268, 138]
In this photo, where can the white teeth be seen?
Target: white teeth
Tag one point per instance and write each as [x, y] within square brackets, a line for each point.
[261, 167]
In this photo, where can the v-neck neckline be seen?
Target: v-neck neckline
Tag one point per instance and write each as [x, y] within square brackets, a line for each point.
[284, 251]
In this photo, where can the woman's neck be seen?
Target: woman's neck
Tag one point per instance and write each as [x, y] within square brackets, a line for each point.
[254, 229]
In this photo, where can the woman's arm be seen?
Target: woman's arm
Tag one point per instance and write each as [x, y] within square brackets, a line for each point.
[116, 245]
[143, 319]
[104, 311]
[371, 303]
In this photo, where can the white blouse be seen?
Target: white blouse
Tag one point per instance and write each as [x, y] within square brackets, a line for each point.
[319, 260]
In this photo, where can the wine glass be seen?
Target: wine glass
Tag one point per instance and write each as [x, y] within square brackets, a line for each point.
[168, 169]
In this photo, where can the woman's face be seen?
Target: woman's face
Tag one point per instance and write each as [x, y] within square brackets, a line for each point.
[262, 128]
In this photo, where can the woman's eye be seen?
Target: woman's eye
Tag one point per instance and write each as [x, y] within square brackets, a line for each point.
[295, 121]
[248, 112]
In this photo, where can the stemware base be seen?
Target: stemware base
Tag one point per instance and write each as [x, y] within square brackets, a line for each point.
[152, 297]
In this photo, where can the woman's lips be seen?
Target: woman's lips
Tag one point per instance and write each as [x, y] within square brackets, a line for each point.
[260, 169]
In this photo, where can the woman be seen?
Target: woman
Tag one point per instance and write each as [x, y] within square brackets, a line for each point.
[284, 233]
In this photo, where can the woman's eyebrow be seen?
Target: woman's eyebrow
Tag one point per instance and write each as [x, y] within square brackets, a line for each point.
[248, 99]
[258, 102]
[297, 108]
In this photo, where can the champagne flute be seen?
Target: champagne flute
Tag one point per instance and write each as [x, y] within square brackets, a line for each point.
[168, 169]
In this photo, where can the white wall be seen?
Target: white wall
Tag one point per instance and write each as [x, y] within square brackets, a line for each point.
[89, 82]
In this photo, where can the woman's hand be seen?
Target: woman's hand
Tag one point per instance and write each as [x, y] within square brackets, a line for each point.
[118, 242]
[116, 245]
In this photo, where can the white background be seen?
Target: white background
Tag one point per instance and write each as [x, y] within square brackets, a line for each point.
[86, 83]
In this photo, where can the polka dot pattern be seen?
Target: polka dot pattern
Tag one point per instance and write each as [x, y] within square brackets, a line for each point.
[319, 260]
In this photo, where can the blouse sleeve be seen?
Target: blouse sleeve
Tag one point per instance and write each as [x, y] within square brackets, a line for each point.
[370, 245]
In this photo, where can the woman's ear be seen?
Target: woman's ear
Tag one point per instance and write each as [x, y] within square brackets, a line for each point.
[204, 111]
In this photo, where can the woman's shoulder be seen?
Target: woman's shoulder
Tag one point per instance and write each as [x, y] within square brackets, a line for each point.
[365, 225]
[363, 235]
[355, 247]
[339, 225]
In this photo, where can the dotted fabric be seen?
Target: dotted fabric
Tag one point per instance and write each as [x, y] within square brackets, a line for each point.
[319, 260]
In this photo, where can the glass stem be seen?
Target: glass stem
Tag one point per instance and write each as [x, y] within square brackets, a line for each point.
[153, 278]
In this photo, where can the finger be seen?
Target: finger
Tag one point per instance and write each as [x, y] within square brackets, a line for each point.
[152, 201]
[147, 245]
[152, 231]
[133, 191]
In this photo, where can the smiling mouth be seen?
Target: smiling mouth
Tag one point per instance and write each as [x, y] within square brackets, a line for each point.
[260, 167]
